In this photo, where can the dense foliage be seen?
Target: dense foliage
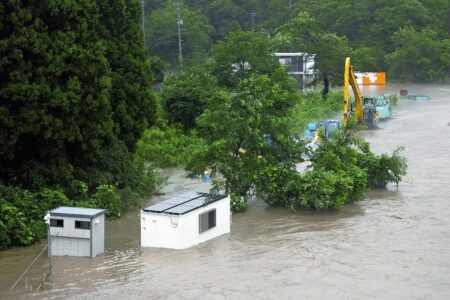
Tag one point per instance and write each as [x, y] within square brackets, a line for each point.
[77, 107]
[371, 31]
[75, 94]
[340, 172]
[164, 146]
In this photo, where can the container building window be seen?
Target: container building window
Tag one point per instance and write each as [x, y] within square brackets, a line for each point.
[56, 223]
[207, 220]
[82, 225]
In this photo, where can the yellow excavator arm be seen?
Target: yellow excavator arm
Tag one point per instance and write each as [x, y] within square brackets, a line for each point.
[349, 78]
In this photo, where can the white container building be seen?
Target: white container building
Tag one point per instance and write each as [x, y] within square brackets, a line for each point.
[299, 65]
[185, 220]
[77, 231]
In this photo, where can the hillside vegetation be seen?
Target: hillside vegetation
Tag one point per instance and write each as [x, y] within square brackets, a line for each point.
[89, 111]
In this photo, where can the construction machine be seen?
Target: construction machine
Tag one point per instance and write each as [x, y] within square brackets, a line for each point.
[365, 109]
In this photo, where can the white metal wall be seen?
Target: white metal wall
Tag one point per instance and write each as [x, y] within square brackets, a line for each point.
[98, 235]
[161, 231]
[190, 229]
[180, 232]
[70, 241]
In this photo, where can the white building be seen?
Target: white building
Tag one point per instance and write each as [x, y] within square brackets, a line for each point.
[299, 65]
[77, 231]
[185, 220]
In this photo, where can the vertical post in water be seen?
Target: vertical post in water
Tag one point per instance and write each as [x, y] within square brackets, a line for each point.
[49, 240]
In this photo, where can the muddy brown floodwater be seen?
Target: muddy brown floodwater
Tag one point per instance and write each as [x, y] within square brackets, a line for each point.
[393, 245]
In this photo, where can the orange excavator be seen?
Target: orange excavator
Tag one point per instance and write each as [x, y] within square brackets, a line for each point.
[365, 108]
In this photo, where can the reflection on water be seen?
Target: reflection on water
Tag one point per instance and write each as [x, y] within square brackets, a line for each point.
[395, 244]
[373, 90]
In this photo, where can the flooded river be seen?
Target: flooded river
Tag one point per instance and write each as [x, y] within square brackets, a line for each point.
[393, 245]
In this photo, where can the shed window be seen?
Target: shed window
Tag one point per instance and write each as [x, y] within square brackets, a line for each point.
[82, 224]
[56, 223]
[207, 220]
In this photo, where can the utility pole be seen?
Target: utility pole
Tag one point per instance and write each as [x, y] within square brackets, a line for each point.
[253, 15]
[290, 9]
[179, 24]
[143, 19]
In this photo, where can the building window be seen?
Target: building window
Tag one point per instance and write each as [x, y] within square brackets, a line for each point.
[82, 225]
[56, 223]
[207, 220]
[285, 61]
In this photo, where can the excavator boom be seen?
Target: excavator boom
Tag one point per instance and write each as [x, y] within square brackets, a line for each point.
[349, 79]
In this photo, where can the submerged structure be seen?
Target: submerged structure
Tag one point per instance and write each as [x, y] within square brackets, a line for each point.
[76, 231]
[185, 220]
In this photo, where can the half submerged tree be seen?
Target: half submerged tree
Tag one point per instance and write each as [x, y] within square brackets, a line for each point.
[341, 171]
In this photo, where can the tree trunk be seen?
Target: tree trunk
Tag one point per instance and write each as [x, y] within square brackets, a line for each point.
[326, 85]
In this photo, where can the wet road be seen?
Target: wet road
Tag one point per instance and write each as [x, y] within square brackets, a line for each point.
[393, 245]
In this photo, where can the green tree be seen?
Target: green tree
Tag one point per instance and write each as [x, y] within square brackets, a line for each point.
[241, 55]
[162, 32]
[303, 33]
[73, 83]
[223, 15]
[245, 130]
[369, 59]
[419, 56]
[131, 100]
[55, 77]
[185, 96]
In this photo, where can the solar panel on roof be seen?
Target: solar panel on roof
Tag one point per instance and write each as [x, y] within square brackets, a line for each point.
[159, 207]
[196, 202]
[180, 209]
[184, 203]
[175, 201]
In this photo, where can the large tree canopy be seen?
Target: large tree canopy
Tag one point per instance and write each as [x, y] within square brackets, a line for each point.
[74, 81]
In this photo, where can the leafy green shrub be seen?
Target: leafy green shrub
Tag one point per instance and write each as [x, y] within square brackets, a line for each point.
[324, 189]
[384, 169]
[108, 197]
[278, 185]
[238, 203]
[393, 99]
[167, 146]
[313, 108]
[22, 212]
[13, 221]
[341, 171]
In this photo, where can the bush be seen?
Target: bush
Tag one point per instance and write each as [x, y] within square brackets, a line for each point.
[108, 197]
[393, 99]
[167, 146]
[324, 189]
[313, 107]
[385, 169]
[22, 213]
[341, 171]
[238, 203]
[13, 225]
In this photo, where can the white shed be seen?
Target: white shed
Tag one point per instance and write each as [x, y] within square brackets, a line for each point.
[77, 231]
[185, 220]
